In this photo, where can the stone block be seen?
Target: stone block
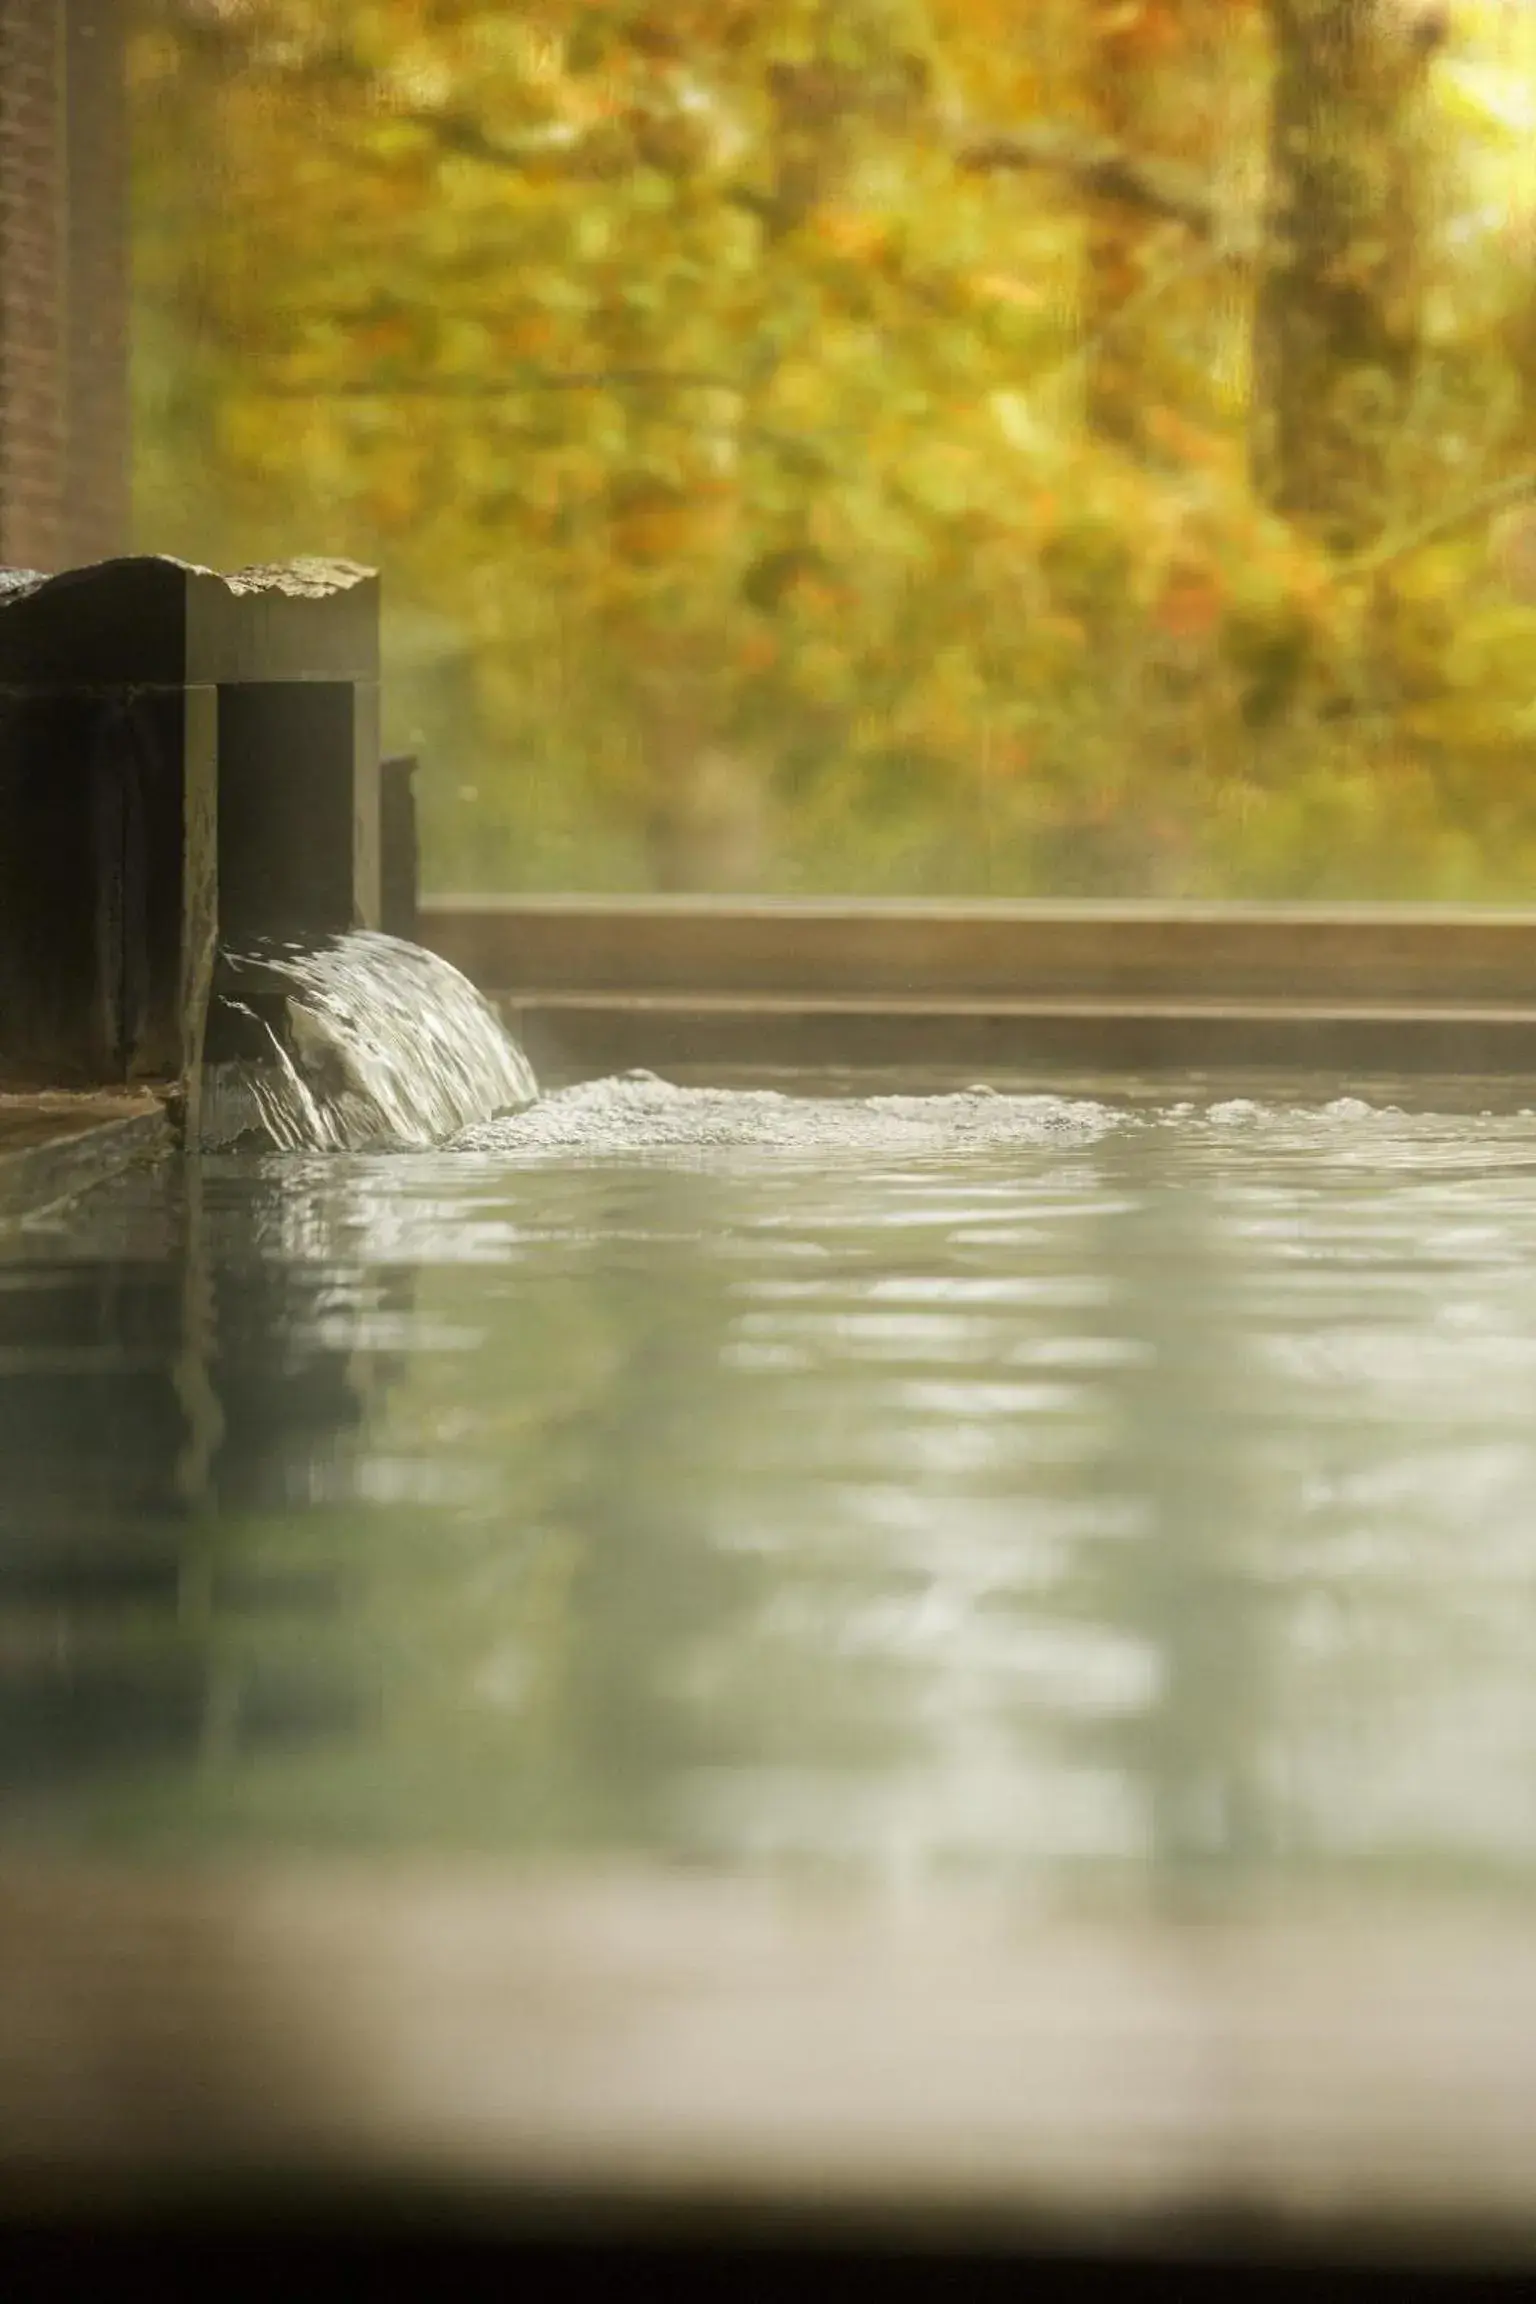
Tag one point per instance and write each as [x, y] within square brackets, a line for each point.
[185, 757]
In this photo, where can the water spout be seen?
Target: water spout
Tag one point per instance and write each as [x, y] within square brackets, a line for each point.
[359, 1042]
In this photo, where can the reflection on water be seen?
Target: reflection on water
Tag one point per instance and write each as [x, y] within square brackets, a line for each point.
[1001, 1486]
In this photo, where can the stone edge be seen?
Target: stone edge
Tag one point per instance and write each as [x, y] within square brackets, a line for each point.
[45, 1175]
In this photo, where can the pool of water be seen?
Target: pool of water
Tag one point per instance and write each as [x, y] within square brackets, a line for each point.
[1116, 1501]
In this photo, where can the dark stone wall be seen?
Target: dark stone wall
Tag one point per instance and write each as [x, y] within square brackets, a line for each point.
[92, 870]
[184, 757]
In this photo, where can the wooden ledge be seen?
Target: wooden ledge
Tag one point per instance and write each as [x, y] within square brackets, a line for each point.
[577, 1035]
[597, 983]
[1340, 955]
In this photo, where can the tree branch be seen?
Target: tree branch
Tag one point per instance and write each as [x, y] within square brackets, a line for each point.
[456, 131]
[1100, 167]
[498, 388]
[1096, 167]
[1390, 549]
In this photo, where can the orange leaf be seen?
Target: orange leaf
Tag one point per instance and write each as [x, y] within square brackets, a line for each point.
[1190, 605]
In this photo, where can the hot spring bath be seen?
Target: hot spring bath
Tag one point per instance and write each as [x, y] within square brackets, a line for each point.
[689, 1516]
[1021, 1487]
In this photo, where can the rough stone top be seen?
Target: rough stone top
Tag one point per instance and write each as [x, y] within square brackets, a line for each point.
[155, 620]
[301, 579]
[305, 578]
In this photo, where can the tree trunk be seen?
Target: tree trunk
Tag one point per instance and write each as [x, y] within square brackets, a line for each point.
[1337, 321]
[703, 808]
[1157, 70]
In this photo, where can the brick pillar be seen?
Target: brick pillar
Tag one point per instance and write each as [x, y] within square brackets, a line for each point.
[95, 505]
[63, 283]
[32, 286]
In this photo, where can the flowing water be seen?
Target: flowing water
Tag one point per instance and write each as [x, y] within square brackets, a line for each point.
[361, 1041]
[1092, 1498]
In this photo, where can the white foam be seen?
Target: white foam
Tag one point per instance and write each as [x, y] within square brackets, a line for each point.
[638, 1115]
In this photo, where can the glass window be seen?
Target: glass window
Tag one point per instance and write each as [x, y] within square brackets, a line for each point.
[906, 446]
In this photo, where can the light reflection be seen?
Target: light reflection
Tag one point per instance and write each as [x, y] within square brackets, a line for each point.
[1171, 1522]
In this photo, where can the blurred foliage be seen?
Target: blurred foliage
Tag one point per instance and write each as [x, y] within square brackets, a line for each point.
[811, 443]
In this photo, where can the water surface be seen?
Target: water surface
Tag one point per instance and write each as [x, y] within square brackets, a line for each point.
[1102, 1501]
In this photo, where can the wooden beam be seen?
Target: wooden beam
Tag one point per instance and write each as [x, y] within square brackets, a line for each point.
[710, 984]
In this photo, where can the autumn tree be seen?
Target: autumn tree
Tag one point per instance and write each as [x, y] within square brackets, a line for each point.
[1339, 315]
[689, 308]
[1171, 87]
[823, 426]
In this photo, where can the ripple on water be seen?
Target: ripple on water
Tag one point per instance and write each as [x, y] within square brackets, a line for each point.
[1014, 1482]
